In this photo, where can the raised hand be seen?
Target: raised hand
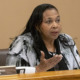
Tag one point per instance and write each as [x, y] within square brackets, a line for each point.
[46, 64]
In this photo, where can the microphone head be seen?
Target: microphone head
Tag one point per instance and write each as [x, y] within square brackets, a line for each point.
[63, 39]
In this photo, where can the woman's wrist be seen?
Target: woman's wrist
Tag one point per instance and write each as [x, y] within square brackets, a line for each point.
[39, 69]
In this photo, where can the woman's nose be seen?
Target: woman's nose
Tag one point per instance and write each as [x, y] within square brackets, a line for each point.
[55, 25]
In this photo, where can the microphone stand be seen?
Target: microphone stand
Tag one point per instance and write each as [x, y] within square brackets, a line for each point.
[65, 40]
[74, 56]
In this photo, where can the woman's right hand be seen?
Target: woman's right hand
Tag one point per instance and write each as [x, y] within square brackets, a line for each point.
[46, 64]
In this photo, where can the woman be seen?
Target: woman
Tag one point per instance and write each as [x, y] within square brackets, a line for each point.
[42, 45]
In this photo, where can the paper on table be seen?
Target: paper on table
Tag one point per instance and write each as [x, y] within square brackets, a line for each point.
[27, 70]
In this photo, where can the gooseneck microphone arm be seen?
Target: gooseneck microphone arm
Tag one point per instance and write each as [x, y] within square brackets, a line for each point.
[74, 56]
[66, 41]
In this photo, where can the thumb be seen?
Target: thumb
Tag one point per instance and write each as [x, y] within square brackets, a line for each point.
[42, 55]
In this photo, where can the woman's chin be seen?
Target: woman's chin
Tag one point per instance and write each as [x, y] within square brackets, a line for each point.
[55, 37]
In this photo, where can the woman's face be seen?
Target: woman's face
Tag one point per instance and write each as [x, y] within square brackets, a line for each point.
[50, 26]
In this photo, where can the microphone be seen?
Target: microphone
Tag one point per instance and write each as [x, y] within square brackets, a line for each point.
[64, 39]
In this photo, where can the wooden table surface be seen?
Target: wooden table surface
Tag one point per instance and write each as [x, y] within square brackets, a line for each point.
[51, 75]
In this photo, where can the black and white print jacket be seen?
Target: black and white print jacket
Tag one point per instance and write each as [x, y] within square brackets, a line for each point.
[21, 51]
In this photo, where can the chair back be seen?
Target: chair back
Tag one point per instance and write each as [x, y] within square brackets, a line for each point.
[3, 56]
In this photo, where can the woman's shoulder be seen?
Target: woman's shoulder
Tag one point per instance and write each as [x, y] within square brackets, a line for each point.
[25, 37]
[20, 42]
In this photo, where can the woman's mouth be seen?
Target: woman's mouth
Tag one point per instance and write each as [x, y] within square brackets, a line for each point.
[54, 33]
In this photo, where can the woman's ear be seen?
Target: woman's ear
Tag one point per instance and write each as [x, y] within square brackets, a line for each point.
[38, 29]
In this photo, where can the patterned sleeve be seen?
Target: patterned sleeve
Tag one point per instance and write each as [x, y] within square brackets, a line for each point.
[75, 53]
[18, 54]
[15, 50]
[77, 56]
[16, 46]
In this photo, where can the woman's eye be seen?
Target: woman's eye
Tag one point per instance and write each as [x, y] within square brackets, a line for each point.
[49, 21]
[58, 20]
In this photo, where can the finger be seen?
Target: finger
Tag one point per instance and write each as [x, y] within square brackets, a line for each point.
[57, 56]
[51, 62]
[60, 57]
[57, 59]
[42, 55]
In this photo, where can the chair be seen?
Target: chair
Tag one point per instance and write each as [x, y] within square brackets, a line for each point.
[3, 56]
